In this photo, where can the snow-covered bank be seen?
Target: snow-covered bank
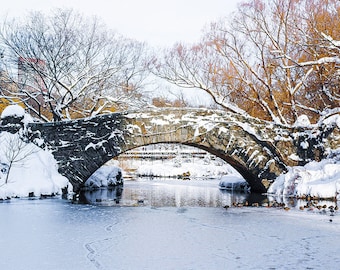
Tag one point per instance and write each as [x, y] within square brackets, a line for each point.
[26, 169]
[315, 179]
[320, 180]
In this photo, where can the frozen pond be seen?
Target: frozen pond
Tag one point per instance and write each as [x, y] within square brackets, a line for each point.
[164, 225]
[168, 192]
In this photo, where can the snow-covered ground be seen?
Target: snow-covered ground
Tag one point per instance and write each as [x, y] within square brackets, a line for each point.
[207, 167]
[26, 169]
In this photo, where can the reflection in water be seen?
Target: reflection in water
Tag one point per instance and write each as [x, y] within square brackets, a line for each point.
[112, 195]
[169, 193]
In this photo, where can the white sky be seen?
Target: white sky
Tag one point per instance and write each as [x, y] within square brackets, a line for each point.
[160, 23]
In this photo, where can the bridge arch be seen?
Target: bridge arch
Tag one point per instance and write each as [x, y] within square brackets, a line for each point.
[82, 146]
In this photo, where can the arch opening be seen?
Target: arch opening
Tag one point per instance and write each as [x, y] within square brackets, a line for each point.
[168, 162]
[174, 160]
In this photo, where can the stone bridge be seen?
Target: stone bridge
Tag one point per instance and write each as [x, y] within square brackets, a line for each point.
[258, 150]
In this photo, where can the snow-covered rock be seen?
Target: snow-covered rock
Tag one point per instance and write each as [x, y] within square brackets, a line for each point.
[105, 176]
[13, 111]
[232, 182]
[302, 121]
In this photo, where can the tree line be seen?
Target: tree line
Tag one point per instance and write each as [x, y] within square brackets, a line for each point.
[272, 59]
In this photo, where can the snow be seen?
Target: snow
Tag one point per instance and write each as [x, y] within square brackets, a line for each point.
[336, 43]
[26, 169]
[295, 157]
[159, 122]
[185, 167]
[302, 121]
[13, 110]
[332, 120]
[304, 145]
[30, 170]
[96, 146]
[315, 179]
[232, 182]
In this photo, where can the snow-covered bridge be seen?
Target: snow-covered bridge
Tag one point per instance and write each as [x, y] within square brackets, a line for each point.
[258, 150]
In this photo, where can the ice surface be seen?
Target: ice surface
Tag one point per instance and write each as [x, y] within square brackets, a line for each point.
[54, 234]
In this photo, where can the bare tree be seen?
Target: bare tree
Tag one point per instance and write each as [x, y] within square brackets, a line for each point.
[319, 59]
[252, 64]
[15, 151]
[70, 66]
